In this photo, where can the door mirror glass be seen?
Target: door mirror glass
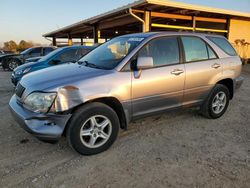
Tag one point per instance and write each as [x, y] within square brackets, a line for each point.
[144, 63]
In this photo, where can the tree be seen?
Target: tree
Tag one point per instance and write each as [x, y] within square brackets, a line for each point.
[10, 46]
[24, 45]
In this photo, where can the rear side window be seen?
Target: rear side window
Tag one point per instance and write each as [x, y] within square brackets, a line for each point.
[164, 51]
[47, 50]
[224, 45]
[68, 55]
[36, 51]
[196, 49]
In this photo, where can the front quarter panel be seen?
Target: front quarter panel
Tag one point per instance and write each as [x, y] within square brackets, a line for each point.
[115, 84]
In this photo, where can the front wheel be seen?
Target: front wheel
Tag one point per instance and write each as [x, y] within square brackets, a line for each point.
[13, 63]
[93, 129]
[217, 102]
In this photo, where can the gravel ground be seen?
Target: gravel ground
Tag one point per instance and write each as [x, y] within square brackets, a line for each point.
[177, 149]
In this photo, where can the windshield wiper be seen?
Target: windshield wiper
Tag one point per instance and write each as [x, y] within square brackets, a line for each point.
[92, 65]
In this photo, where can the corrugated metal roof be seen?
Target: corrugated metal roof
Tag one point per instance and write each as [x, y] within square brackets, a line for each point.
[166, 3]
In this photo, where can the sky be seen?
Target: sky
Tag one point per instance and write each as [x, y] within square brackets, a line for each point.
[30, 19]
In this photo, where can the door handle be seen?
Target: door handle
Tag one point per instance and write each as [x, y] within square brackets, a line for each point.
[216, 66]
[177, 72]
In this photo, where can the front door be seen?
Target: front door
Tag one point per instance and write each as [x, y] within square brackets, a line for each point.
[160, 87]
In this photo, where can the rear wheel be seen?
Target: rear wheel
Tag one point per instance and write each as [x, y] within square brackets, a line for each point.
[217, 102]
[13, 63]
[93, 128]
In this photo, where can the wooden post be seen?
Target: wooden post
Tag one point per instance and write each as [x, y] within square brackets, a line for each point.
[95, 33]
[54, 41]
[228, 28]
[194, 23]
[70, 42]
[147, 21]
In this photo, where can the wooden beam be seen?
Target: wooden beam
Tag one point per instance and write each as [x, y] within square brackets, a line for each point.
[171, 26]
[188, 28]
[211, 30]
[171, 16]
[182, 17]
[216, 20]
[137, 11]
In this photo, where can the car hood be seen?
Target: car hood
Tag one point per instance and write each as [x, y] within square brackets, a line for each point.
[26, 65]
[58, 76]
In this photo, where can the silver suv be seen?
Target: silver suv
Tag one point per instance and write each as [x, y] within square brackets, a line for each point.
[126, 78]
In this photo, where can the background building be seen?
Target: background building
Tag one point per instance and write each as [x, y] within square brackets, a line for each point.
[161, 15]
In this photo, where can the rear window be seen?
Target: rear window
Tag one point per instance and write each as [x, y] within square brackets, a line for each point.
[224, 45]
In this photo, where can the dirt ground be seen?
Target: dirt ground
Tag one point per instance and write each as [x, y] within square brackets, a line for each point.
[177, 149]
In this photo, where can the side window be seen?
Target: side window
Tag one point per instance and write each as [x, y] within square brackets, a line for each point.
[36, 52]
[211, 54]
[69, 55]
[82, 52]
[195, 49]
[164, 51]
[224, 45]
[47, 50]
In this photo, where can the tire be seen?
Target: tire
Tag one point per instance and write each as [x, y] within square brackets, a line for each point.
[92, 117]
[210, 108]
[13, 63]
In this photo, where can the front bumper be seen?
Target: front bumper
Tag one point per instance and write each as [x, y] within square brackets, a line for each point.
[238, 82]
[15, 79]
[46, 127]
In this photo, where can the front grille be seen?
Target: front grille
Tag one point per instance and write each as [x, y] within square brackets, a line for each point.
[19, 90]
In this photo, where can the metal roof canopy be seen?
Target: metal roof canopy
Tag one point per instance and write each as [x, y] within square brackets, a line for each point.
[121, 20]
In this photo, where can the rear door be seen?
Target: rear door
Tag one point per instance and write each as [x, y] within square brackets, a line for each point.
[160, 87]
[202, 67]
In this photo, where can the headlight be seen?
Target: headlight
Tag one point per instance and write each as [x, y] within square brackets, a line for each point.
[24, 71]
[40, 102]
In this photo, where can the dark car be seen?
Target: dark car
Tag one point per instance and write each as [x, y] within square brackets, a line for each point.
[57, 57]
[4, 53]
[11, 61]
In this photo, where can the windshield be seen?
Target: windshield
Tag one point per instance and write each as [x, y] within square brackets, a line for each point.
[26, 51]
[111, 53]
[51, 54]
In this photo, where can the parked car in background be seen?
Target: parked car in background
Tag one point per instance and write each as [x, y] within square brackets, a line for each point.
[3, 53]
[33, 59]
[11, 61]
[127, 78]
[57, 57]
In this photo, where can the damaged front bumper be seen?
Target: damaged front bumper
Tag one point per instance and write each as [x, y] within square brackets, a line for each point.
[46, 127]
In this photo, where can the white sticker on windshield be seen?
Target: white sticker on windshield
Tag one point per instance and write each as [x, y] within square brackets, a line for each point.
[136, 39]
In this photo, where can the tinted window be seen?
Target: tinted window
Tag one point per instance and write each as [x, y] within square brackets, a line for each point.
[211, 53]
[164, 51]
[36, 51]
[195, 49]
[47, 50]
[224, 45]
[68, 55]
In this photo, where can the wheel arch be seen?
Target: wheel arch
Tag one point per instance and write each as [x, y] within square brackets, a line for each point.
[229, 83]
[113, 103]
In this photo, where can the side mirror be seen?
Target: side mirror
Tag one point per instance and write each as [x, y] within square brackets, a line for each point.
[55, 61]
[145, 63]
